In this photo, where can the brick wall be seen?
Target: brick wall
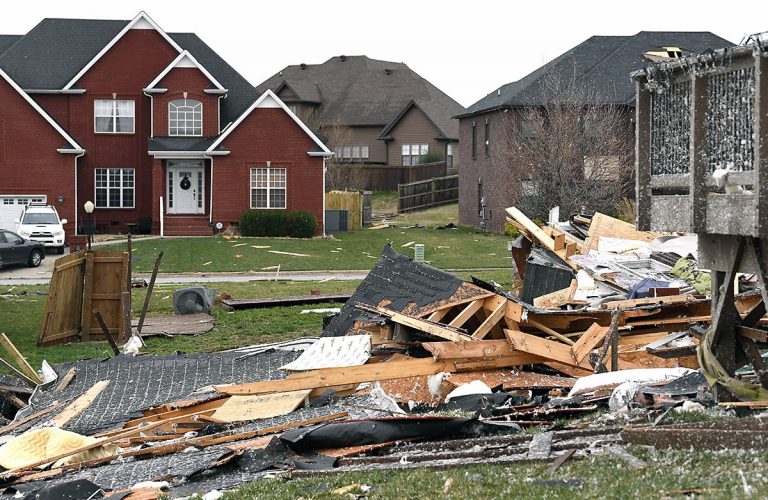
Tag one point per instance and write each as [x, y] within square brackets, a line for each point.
[267, 135]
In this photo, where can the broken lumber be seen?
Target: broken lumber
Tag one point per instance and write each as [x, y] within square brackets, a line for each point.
[547, 349]
[483, 349]
[588, 341]
[25, 367]
[332, 377]
[434, 329]
[79, 404]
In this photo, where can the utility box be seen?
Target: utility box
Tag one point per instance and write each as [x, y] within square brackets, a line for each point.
[336, 221]
[418, 252]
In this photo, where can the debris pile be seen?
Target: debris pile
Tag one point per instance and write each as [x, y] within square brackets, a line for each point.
[419, 368]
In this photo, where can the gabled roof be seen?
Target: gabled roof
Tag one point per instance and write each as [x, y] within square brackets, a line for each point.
[184, 60]
[410, 105]
[603, 63]
[269, 100]
[53, 52]
[72, 145]
[357, 90]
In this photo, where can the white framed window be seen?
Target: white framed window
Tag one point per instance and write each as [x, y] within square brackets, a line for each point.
[185, 117]
[268, 187]
[113, 116]
[23, 199]
[412, 153]
[449, 155]
[115, 188]
[357, 152]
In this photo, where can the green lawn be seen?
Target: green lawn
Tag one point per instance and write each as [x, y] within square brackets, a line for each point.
[358, 250]
[713, 474]
[21, 316]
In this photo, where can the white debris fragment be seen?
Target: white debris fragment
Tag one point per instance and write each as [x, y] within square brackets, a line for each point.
[474, 387]
[690, 407]
[639, 375]
[213, 495]
[623, 395]
[48, 374]
[160, 485]
[327, 310]
[435, 384]
[133, 345]
[383, 401]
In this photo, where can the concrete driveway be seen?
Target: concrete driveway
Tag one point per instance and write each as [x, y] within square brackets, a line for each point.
[43, 271]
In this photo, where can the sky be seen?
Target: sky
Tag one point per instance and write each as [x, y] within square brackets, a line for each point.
[466, 48]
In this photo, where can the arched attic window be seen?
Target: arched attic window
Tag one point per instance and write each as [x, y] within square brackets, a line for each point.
[185, 117]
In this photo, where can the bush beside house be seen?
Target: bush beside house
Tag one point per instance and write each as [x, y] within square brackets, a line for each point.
[273, 223]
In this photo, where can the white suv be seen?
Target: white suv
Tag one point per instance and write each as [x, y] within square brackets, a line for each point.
[42, 223]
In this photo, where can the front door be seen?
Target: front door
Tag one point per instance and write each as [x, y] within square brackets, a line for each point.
[186, 187]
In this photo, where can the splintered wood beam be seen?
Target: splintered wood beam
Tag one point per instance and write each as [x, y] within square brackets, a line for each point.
[483, 349]
[491, 320]
[548, 330]
[466, 313]
[24, 365]
[331, 377]
[588, 341]
[439, 314]
[424, 326]
[547, 349]
[79, 404]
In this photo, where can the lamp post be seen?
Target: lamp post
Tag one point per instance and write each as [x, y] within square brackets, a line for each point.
[89, 206]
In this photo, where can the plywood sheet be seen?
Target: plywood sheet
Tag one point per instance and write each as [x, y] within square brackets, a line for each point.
[245, 408]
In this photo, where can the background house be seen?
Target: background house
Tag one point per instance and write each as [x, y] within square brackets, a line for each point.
[126, 115]
[492, 129]
[371, 112]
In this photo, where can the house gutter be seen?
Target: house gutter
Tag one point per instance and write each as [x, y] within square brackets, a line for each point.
[210, 198]
[151, 113]
[80, 155]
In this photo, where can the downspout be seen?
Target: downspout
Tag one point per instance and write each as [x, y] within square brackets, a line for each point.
[210, 187]
[151, 114]
[79, 155]
[324, 170]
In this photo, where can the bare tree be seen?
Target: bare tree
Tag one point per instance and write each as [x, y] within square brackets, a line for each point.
[574, 150]
[340, 174]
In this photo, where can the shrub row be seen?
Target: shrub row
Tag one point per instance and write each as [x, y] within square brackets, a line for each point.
[297, 224]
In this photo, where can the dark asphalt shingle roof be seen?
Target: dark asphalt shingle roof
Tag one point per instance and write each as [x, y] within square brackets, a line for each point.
[55, 50]
[357, 90]
[181, 143]
[52, 53]
[602, 63]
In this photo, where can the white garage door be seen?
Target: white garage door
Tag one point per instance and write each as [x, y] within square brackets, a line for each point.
[21, 199]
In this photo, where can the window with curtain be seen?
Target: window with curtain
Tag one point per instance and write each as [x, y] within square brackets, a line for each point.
[268, 187]
[115, 188]
[114, 116]
[185, 117]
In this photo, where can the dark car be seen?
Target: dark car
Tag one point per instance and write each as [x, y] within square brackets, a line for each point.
[16, 250]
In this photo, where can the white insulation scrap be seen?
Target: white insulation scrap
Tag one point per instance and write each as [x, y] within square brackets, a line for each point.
[639, 375]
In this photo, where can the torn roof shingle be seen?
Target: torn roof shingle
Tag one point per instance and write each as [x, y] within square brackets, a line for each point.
[359, 91]
[602, 63]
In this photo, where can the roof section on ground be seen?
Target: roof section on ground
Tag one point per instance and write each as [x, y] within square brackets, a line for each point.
[601, 63]
[357, 90]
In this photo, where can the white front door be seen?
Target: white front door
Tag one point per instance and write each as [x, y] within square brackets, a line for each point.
[186, 187]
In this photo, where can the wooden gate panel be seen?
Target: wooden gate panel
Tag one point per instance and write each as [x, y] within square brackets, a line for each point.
[61, 321]
[109, 277]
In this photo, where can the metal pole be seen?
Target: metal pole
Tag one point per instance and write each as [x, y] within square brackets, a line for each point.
[90, 229]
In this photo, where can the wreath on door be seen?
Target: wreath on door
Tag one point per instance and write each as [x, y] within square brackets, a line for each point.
[185, 184]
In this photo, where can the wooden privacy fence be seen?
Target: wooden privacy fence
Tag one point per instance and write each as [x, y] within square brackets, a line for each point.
[388, 177]
[352, 201]
[81, 283]
[425, 194]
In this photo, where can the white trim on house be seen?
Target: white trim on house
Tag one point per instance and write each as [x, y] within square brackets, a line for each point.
[141, 21]
[76, 148]
[54, 91]
[177, 155]
[184, 60]
[269, 100]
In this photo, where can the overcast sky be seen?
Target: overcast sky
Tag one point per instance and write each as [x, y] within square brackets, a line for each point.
[466, 48]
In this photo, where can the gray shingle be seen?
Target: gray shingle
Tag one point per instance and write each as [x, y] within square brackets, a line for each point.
[181, 143]
[602, 63]
[7, 41]
[357, 90]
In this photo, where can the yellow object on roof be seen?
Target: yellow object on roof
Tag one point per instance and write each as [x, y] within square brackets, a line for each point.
[38, 444]
[667, 53]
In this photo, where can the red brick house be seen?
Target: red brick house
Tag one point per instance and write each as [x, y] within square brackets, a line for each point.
[155, 128]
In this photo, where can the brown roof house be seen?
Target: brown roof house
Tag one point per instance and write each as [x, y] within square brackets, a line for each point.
[497, 134]
[371, 112]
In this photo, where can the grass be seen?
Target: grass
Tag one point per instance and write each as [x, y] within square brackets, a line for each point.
[384, 202]
[21, 316]
[716, 474]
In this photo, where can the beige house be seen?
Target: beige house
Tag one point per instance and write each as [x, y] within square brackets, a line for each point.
[372, 112]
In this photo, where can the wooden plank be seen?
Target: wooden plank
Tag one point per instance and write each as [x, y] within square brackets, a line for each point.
[588, 341]
[331, 377]
[65, 380]
[605, 225]
[630, 303]
[79, 404]
[67, 265]
[483, 349]
[439, 314]
[87, 314]
[466, 313]
[106, 332]
[25, 367]
[424, 326]
[547, 349]
[544, 328]
[16, 372]
[531, 227]
[491, 321]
